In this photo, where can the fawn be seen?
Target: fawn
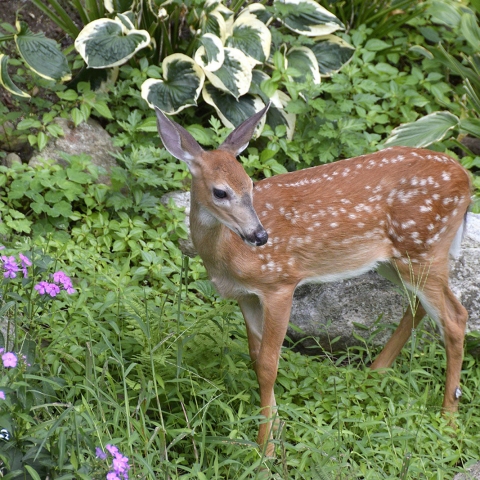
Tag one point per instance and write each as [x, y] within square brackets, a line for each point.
[400, 209]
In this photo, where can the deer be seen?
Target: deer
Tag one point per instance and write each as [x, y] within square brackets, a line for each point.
[399, 210]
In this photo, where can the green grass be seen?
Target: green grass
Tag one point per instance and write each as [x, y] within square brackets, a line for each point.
[166, 377]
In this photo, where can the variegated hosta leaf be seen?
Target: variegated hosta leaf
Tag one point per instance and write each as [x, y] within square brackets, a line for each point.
[235, 75]
[307, 17]
[425, 131]
[183, 81]
[217, 21]
[41, 54]
[258, 10]
[304, 61]
[251, 36]
[211, 55]
[6, 81]
[332, 53]
[108, 43]
[278, 116]
[232, 112]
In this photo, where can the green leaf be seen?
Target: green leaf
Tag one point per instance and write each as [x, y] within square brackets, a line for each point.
[470, 126]
[108, 43]
[102, 109]
[183, 81]
[471, 30]
[6, 81]
[69, 95]
[306, 17]
[251, 36]
[42, 140]
[28, 124]
[62, 208]
[304, 61]
[423, 132]
[42, 54]
[332, 53]
[375, 45]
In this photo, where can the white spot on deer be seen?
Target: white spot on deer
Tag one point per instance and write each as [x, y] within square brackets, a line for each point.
[446, 176]
[263, 268]
[264, 213]
[352, 216]
[435, 196]
[377, 189]
[358, 165]
[269, 206]
[425, 209]
[334, 224]
[345, 201]
[371, 164]
[396, 253]
[414, 181]
[444, 219]
[415, 154]
[431, 227]
[360, 224]
[345, 172]
[282, 210]
[317, 224]
[408, 224]
[367, 187]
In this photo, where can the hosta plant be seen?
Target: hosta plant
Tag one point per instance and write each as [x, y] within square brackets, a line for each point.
[233, 54]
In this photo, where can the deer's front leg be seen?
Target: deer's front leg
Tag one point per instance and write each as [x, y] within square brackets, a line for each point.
[276, 314]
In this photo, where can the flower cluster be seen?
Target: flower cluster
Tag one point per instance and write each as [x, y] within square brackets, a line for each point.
[53, 289]
[120, 464]
[9, 360]
[61, 281]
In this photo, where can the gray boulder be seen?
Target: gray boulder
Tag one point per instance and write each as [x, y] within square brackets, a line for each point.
[350, 311]
[88, 138]
[473, 473]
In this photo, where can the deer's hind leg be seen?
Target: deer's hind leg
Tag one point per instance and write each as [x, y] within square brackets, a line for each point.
[451, 317]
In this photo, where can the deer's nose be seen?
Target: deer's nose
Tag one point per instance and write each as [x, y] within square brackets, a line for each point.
[261, 237]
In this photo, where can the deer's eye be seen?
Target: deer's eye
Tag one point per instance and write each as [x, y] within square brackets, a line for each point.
[219, 193]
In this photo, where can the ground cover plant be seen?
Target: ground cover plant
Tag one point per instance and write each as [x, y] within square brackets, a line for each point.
[134, 366]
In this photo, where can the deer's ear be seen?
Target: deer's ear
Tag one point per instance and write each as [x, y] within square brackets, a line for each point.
[238, 140]
[177, 140]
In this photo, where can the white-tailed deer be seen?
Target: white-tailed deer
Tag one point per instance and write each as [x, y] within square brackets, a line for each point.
[401, 208]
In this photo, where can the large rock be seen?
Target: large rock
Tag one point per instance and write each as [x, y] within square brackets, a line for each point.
[473, 473]
[88, 138]
[358, 307]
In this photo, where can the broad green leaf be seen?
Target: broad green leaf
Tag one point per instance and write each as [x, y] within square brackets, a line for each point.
[232, 112]
[332, 53]
[251, 36]
[306, 17]
[470, 126]
[235, 75]
[303, 60]
[423, 132]
[6, 81]
[471, 30]
[108, 43]
[183, 81]
[444, 13]
[41, 54]
[211, 55]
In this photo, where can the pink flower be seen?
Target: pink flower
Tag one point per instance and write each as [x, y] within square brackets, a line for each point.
[9, 360]
[25, 263]
[10, 266]
[2, 395]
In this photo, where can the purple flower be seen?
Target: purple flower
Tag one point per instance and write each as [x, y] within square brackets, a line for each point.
[64, 280]
[9, 360]
[2, 395]
[112, 449]
[112, 476]
[47, 288]
[100, 453]
[25, 263]
[10, 266]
